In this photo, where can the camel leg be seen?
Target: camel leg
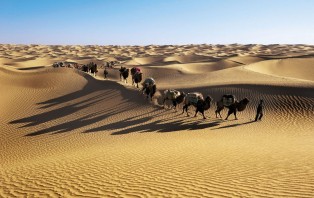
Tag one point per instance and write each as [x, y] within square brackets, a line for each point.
[164, 103]
[229, 113]
[136, 85]
[174, 104]
[196, 111]
[183, 109]
[151, 97]
[218, 110]
[186, 109]
[235, 115]
[219, 115]
[203, 114]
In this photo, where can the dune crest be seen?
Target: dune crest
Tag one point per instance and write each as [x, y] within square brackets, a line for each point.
[66, 133]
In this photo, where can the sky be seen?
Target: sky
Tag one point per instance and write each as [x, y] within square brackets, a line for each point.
[146, 22]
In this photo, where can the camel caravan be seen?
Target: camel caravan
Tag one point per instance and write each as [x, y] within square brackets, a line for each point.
[195, 99]
[90, 68]
[202, 104]
[66, 64]
[149, 88]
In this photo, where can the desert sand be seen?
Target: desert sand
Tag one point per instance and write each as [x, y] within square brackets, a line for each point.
[65, 133]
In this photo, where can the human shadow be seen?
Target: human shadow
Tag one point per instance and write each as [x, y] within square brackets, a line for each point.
[233, 125]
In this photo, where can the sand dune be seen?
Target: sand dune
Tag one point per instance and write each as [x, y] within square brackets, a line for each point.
[294, 68]
[187, 58]
[66, 133]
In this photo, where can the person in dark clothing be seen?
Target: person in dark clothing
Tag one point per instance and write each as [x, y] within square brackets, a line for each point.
[105, 73]
[259, 111]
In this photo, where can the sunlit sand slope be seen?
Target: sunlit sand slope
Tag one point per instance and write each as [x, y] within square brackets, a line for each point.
[65, 133]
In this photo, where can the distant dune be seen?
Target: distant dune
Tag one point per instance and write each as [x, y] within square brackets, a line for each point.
[299, 68]
[65, 133]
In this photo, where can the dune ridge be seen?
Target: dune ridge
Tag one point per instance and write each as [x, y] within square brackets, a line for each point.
[66, 133]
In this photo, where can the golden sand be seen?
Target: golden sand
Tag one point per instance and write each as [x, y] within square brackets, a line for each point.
[65, 133]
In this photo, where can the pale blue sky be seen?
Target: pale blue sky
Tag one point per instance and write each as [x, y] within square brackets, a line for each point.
[144, 22]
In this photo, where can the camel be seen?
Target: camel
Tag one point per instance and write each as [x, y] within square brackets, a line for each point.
[197, 100]
[85, 68]
[57, 64]
[149, 87]
[232, 104]
[124, 72]
[136, 76]
[106, 73]
[134, 70]
[93, 68]
[175, 96]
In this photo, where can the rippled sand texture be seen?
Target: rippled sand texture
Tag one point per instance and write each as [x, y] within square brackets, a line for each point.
[65, 133]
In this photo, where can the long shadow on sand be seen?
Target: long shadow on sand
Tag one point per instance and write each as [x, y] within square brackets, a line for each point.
[234, 125]
[82, 109]
[78, 104]
[164, 121]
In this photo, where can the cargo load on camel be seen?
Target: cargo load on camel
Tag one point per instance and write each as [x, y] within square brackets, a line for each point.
[172, 94]
[149, 82]
[228, 100]
[194, 97]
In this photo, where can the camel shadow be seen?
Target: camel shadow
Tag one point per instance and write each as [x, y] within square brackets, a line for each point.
[75, 107]
[160, 123]
[234, 125]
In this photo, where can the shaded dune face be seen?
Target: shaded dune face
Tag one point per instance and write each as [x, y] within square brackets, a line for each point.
[67, 133]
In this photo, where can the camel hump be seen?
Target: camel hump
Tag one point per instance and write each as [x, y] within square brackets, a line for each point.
[228, 100]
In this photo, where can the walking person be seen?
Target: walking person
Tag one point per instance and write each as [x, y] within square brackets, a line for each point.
[259, 111]
[105, 73]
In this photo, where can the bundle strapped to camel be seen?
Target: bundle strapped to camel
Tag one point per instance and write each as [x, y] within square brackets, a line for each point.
[172, 94]
[137, 69]
[149, 81]
[194, 97]
[228, 100]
